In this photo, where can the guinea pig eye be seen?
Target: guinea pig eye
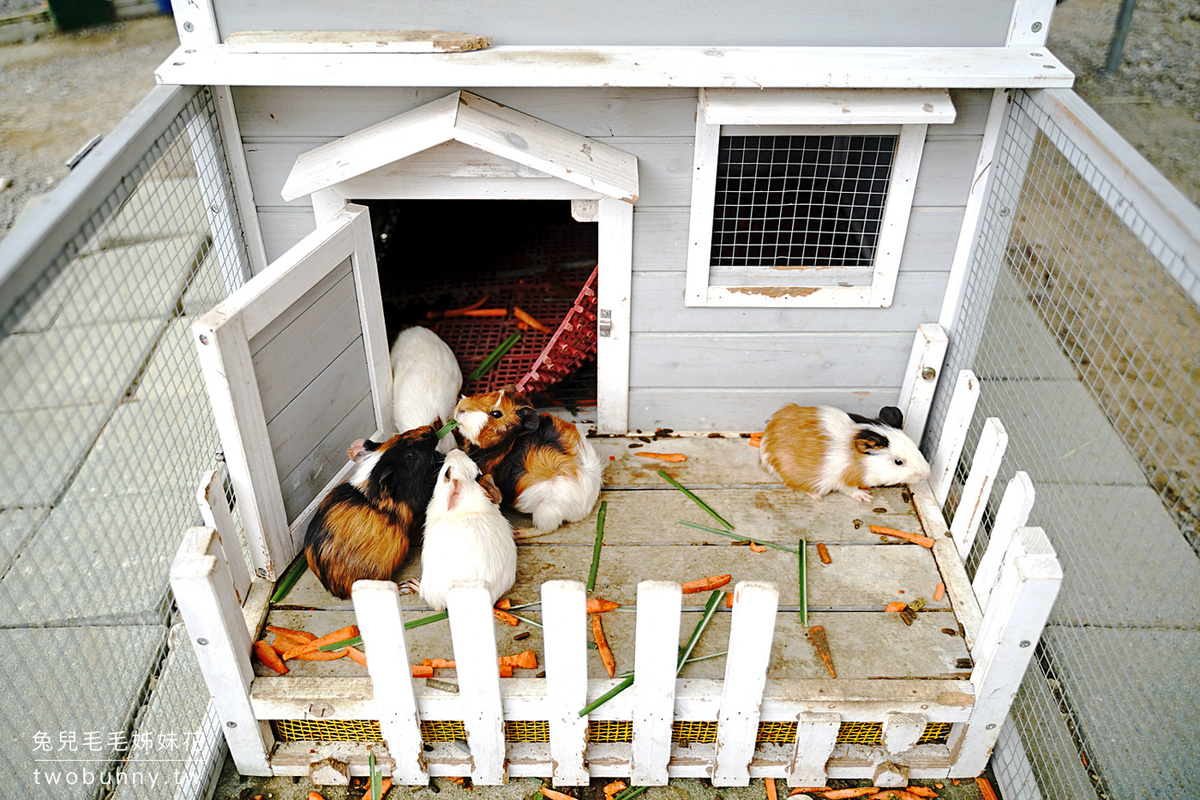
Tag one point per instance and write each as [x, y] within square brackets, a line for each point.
[497, 413]
[410, 456]
[899, 462]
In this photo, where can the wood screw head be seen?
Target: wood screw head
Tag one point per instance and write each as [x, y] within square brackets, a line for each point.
[189, 27]
[1025, 643]
[929, 373]
[1035, 27]
[202, 642]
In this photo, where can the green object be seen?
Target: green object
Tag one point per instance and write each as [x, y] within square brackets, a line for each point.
[695, 499]
[449, 426]
[354, 641]
[630, 793]
[494, 357]
[376, 778]
[71, 14]
[782, 547]
[609, 695]
[803, 553]
[293, 573]
[591, 584]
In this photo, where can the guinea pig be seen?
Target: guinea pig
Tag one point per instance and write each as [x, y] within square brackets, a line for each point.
[819, 449]
[466, 535]
[426, 379]
[541, 463]
[362, 528]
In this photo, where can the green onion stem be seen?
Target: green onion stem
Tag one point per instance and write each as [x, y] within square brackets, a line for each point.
[803, 553]
[289, 577]
[494, 356]
[695, 499]
[782, 547]
[354, 641]
[591, 584]
[449, 426]
[710, 608]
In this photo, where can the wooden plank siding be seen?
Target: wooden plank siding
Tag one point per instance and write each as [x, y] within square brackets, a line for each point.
[690, 368]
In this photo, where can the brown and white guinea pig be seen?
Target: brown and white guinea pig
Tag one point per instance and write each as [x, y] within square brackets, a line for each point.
[541, 463]
[466, 535]
[819, 449]
[426, 379]
[363, 527]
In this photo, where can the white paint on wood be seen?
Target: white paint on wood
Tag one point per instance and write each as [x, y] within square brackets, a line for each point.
[614, 296]
[585, 210]
[473, 636]
[890, 774]
[381, 623]
[1015, 508]
[239, 176]
[827, 107]
[565, 654]
[407, 41]
[921, 377]
[204, 591]
[656, 642]
[751, 633]
[955, 428]
[196, 25]
[632, 66]
[1030, 23]
[977, 490]
[893, 228]
[370, 316]
[214, 510]
[1029, 580]
[950, 566]
[481, 124]
[901, 731]
[704, 187]
[816, 736]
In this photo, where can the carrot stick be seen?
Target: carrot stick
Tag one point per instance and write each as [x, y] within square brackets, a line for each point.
[757, 548]
[358, 656]
[505, 604]
[505, 671]
[612, 788]
[450, 313]
[421, 671]
[530, 321]
[315, 796]
[526, 659]
[808, 790]
[843, 794]
[729, 599]
[894, 794]
[985, 788]
[939, 591]
[915, 538]
[772, 794]
[318, 655]
[486, 312]
[504, 616]
[896, 606]
[674, 458]
[706, 584]
[606, 654]
[554, 795]
[385, 786]
[284, 643]
[823, 552]
[268, 657]
[921, 791]
[598, 605]
[338, 635]
[816, 634]
[439, 663]
[756, 443]
[302, 636]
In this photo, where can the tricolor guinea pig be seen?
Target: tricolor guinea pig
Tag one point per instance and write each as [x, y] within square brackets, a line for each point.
[541, 463]
[426, 379]
[362, 528]
[466, 535]
[819, 449]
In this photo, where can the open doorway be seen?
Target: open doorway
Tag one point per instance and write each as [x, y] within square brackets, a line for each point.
[439, 257]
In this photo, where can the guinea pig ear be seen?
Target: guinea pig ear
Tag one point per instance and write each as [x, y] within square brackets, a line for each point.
[891, 416]
[456, 493]
[490, 488]
[869, 442]
[529, 418]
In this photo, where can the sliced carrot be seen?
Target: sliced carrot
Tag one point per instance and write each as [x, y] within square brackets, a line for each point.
[674, 458]
[505, 671]
[530, 321]
[757, 548]
[842, 794]
[893, 794]
[315, 796]
[477, 304]
[823, 552]
[808, 790]
[729, 599]
[329, 638]
[505, 604]
[896, 606]
[385, 786]
[921, 791]
[317, 655]
[555, 795]
[421, 671]
[358, 656]
[504, 616]
[598, 605]
[756, 443]
[612, 788]
[455, 779]
[606, 654]
[939, 786]
[772, 794]
[706, 584]
[816, 634]
[526, 659]
[302, 636]
[915, 538]
[268, 657]
[939, 591]
[985, 788]
[439, 663]
[486, 312]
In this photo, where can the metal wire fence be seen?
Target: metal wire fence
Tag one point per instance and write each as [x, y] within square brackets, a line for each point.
[106, 428]
[1081, 322]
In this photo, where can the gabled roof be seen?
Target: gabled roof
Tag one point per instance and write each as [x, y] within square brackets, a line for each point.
[479, 123]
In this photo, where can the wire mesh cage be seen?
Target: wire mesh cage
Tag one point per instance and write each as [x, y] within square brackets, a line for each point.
[104, 415]
[1078, 322]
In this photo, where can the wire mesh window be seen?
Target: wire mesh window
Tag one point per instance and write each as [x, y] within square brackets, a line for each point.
[800, 200]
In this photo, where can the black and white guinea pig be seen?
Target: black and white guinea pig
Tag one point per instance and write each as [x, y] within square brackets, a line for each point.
[363, 527]
[819, 449]
[426, 380]
[467, 537]
[541, 463]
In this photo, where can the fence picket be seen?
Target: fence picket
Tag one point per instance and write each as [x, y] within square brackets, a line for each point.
[565, 654]
[474, 638]
[656, 643]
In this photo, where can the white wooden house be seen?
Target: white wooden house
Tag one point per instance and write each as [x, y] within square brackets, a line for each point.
[784, 201]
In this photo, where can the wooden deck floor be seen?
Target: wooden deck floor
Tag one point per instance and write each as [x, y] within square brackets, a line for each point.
[643, 540]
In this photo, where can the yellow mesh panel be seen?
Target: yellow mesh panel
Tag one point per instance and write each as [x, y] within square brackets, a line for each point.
[776, 732]
[860, 733]
[699, 732]
[527, 730]
[329, 730]
[610, 730]
[442, 730]
[935, 733]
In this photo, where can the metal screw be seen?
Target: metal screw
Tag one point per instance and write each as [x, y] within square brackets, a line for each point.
[1035, 27]
[189, 27]
[203, 339]
[1024, 643]
[232, 724]
[1004, 212]
[929, 373]
[202, 642]
[991, 726]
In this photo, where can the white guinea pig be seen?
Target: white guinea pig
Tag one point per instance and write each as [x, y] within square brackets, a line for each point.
[426, 379]
[819, 449]
[466, 536]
